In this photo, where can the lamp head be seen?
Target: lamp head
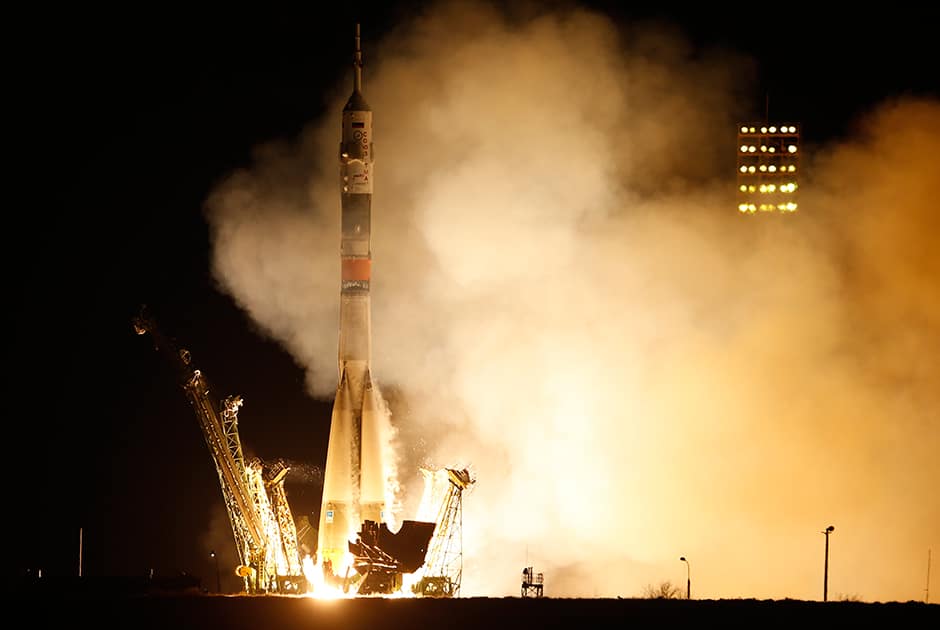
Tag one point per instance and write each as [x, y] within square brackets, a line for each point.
[830, 528]
[683, 559]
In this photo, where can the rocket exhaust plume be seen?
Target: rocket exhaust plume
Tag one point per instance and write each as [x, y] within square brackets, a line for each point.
[568, 302]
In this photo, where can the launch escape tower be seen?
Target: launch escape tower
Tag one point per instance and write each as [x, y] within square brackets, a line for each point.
[444, 565]
[768, 168]
[262, 524]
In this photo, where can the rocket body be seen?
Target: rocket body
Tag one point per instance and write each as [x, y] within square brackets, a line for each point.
[353, 482]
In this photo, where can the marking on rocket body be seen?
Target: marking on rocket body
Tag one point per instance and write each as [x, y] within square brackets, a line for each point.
[356, 269]
[358, 178]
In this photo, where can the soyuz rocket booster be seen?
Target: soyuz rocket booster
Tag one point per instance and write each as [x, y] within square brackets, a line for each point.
[353, 481]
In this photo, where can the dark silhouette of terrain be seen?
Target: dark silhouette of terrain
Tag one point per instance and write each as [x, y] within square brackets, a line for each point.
[181, 604]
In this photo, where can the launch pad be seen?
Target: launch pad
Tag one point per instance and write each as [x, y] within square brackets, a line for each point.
[382, 558]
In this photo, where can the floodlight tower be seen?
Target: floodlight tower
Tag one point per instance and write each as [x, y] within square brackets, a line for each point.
[768, 167]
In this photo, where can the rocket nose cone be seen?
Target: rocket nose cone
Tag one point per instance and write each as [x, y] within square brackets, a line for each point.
[356, 103]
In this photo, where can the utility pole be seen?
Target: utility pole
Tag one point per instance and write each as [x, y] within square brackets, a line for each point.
[79, 552]
[218, 578]
[688, 578]
[927, 589]
[828, 531]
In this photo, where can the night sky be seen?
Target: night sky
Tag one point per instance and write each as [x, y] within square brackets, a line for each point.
[123, 123]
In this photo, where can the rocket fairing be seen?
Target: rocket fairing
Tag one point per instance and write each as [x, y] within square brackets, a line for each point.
[353, 481]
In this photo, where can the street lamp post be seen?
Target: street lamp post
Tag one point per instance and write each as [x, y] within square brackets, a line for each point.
[828, 531]
[218, 579]
[688, 578]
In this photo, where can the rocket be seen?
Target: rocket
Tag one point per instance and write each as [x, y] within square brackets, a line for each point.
[353, 480]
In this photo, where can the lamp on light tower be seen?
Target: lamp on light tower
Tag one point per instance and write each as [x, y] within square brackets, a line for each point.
[218, 579]
[688, 578]
[828, 531]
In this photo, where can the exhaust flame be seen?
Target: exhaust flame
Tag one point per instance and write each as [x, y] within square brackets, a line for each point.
[319, 587]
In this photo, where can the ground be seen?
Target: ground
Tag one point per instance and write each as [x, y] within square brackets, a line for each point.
[183, 609]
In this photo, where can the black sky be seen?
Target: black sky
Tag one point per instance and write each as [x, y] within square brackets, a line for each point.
[122, 122]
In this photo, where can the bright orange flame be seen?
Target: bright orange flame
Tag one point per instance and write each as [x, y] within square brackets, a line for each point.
[318, 587]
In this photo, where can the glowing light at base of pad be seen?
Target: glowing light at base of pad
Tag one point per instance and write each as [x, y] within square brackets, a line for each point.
[317, 586]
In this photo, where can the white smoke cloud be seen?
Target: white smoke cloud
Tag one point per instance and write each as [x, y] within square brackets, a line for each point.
[566, 300]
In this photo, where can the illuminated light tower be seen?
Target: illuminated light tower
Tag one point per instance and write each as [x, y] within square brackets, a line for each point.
[768, 168]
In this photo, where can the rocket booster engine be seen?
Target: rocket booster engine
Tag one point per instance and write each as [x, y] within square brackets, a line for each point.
[353, 481]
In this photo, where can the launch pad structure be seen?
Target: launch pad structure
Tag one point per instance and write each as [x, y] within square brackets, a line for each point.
[532, 583]
[265, 530]
[261, 519]
[443, 571]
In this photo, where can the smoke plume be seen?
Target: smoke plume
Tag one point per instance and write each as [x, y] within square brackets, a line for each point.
[566, 301]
